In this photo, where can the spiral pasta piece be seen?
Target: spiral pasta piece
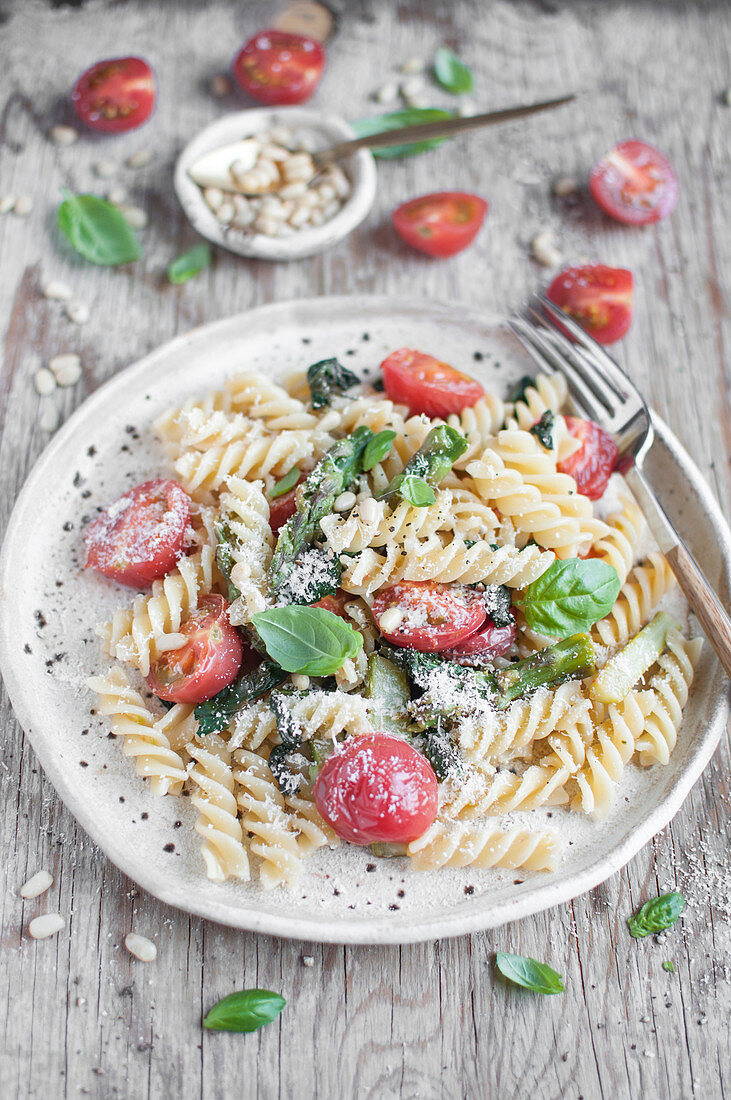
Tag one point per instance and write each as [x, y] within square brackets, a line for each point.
[138, 635]
[312, 831]
[222, 848]
[245, 515]
[618, 546]
[499, 735]
[639, 595]
[441, 559]
[468, 844]
[596, 782]
[320, 714]
[262, 458]
[265, 817]
[144, 736]
[669, 689]
[478, 424]
[548, 391]
[492, 791]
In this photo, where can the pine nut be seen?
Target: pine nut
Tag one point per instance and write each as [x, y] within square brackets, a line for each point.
[69, 374]
[220, 86]
[317, 217]
[390, 620]
[105, 169]
[23, 206]
[413, 65]
[63, 135]
[117, 196]
[36, 885]
[413, 86]
[299, 217]
[327, 192]
[370, 510]
[293, 190]
[44, 381]
[139, 946]
[268, 226]
[57, 291]
[544, 249]
[61, 362]
[275, 152]
[344, 502]
[139, 159]
[386, 94]
[564, 186]
[47, 925]
[272, 208]
[466, 107]
[136, 217]
[77, 312]
[226, 212]
[49, 419]
[7, 204]
[214, 198]
[300, 681]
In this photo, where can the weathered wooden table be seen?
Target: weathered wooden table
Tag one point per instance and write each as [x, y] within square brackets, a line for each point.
[79, 1014]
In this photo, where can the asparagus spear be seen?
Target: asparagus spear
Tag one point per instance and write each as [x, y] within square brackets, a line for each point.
[216, 713]
[431, 463]
[388, 686]
[625, 668]
[332, 475]
[571, 659]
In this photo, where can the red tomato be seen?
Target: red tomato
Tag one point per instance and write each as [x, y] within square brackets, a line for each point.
[436, 616]
[377, 788]
[441, 224]
[115, 95]
[140, 536]
[592, 465]
[277, 67]
[634, 183]
[208, 661]
[335, 604]
[491, 641]
[281, 509]
[427, 386]
[600, 298]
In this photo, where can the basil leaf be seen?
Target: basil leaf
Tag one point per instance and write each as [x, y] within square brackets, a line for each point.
[377, 449]
[522, 970]
[656, 915]
[417, 491]
[97, 230]
[394, 121]
[285, 483]
[669, 966]
[189, 264]
[327, 378]
[543, 430]
[518, 391]
[245, 1011]
[307, 639]
[452, 73]
[570, 596]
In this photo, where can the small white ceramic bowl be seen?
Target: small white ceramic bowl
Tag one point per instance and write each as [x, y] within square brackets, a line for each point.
[321, 131]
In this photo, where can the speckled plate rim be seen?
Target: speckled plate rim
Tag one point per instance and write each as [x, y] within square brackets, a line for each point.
[544, 893]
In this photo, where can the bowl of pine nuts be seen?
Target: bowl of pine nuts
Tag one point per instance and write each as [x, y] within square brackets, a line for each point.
[248, 184]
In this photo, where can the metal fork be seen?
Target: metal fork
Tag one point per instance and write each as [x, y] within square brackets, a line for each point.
[602, 392]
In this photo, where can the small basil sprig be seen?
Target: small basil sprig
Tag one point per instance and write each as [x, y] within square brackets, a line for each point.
[328, 378]
[452, 73]
[543, 430]
[570, 596]
[669, 966]
[309, 640]
[245, 1011]
[416, 491]
[395, 121]
[425, 469]
[285, 483]
[656, 915]
[189, 264]
[378, 448]
[522, 970]
[98, 230]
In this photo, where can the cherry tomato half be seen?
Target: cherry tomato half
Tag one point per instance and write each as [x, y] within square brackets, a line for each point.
[140, 536]
[336, 604]
[426, 385]
[592, 465]
[377, 788]
[600, 298]
[634, 183]
[115, 95]
[208, 661]
[281, 509]
[435, 616]
[276, 67]
[489, 642]
[441, 224]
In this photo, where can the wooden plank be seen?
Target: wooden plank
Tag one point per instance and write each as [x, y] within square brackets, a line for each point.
[78, 1014]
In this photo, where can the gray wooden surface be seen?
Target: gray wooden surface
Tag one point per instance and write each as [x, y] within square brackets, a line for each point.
[79, 1016]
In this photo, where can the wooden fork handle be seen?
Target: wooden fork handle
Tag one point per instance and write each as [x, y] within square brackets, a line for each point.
[708, 608]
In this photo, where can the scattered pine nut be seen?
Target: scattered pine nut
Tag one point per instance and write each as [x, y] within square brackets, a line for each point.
[564, 186]
[105, 169]
[117, 196]
[466, 107]
[220, 86]
[63, 361]
[308, 960]
[7, 204]
[23, 206]
[387, 94]
[63, 135]
[77, 312]
[139, 159]
[136, 216]
[36, 885]
[413, 65]
[40, 928]
[139, 946]
[544, 249]
[49, 419]
[413, 86]
[69, 374]
[44, 382]
[226, 212]
[57, 291]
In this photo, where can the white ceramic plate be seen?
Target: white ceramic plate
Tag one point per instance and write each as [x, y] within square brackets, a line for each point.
[47, 644]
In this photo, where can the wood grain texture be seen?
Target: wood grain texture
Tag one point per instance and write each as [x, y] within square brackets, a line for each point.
[79, 1015]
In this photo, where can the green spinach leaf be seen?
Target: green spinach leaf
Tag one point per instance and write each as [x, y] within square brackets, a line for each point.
[97, 230]
[216, 713]
[328, 378]
[543, 430]
[518, 391]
